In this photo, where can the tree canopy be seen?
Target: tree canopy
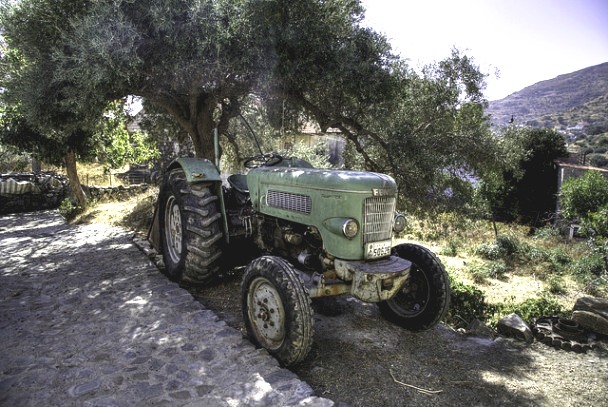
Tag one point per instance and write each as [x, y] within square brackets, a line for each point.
[203, 61]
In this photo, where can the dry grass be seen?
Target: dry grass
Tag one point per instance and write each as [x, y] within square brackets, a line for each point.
[456, 241]
[134, 214]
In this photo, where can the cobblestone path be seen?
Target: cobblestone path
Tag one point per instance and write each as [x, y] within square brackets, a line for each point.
[87, 320]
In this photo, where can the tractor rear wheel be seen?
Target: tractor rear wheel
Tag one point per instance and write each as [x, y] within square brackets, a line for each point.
[190, 229]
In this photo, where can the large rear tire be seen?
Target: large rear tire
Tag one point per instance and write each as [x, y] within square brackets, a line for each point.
[277, 309]
[190, 229]
[424, 299]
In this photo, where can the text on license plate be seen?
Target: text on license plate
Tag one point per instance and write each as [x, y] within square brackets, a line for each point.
[378, 249]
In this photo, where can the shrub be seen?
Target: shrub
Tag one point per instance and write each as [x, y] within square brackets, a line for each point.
[581, 196]
[559, 259]
[533, 253]
[594, 264]
[451, 249]
[504, 247]
[508, 244]
[488, 251]
[68, 210]
[546, 233]
[598, 221]
[466, 304]
[495, 269]
[533, 308]
[598, 160]
[555, 285]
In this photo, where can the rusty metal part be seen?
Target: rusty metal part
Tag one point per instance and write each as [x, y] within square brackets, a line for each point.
[561, 333]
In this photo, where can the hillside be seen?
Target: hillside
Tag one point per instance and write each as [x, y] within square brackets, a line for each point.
[577, 100]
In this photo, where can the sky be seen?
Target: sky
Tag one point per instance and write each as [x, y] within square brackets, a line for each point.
[517, 42]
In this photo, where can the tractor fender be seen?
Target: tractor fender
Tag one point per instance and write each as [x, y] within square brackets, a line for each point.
[196, 169]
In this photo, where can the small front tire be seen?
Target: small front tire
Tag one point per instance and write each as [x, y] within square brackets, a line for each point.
[277, 309]
[424, 299]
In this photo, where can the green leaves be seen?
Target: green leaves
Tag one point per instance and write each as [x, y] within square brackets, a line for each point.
[116, 145]
[526, 185]
[586, 198]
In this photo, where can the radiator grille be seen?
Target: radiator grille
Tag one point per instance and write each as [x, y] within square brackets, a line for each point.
[378, 218]
[289, 201]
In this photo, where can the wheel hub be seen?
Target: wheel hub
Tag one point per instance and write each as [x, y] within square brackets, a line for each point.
[267, 313]
[173, 229]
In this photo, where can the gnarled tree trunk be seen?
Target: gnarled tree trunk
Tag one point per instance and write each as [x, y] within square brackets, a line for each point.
[75, 186]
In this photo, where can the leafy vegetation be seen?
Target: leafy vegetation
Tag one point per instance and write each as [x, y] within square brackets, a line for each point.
[533, 275]
[593, 148]
[205, 64]
[68, 209]
[582, 198]
[11, 159]
[525, 189]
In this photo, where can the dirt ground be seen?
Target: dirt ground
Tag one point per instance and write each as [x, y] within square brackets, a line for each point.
[359, 359]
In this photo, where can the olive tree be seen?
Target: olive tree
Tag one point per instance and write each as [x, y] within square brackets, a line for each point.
[203, 61]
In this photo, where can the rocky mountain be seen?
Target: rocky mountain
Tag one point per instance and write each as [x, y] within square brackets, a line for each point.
[576, 101]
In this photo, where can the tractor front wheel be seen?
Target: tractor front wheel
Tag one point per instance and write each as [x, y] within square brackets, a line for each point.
[277, 309]
[424, 299]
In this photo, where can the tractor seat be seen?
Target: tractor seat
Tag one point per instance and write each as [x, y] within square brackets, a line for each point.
[239, 182]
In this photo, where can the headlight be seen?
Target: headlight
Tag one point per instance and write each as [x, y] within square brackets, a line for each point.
[399, 223]
[350, 228]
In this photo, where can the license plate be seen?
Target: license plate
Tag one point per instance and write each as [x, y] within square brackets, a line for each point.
[378, 249]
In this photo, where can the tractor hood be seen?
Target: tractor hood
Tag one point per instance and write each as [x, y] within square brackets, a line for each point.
[328, 180]
[325, 199]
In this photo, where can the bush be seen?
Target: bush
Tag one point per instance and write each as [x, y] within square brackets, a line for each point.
[466, 304]
[495, 269]
[451, 249]
[503, 248]
[559, 259]
[509, 245]
[533, 308]
[600, 150]
[533, 254]
[11, 160]
[555, 285]
[598, 221]
[489, 251]
[546, 233]
[598, 160]
[68, 210]
[593, 264]
[582, 196]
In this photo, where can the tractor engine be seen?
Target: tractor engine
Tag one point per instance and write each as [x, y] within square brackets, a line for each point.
[311, 214]
[302, 244]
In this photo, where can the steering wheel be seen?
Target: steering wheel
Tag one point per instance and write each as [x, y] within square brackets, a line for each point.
[263, 160]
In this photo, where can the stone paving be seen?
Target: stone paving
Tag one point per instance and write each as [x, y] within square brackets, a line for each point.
[87, 320]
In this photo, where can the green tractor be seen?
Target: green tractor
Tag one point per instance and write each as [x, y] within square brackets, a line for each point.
[317, 232]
